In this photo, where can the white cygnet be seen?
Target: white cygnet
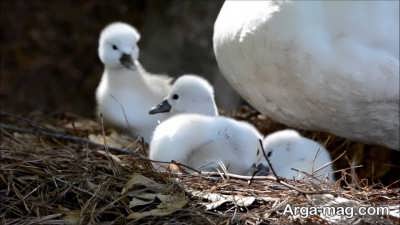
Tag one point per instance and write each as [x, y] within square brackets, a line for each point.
[198, 137]
[287, 149]
[126, 91]
[201, 142]
[189, 94]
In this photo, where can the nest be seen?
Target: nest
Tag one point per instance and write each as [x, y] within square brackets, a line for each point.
[62, 169]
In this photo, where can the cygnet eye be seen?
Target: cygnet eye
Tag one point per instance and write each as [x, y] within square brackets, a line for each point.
[114, 47]
[269, 154]
[175, 97]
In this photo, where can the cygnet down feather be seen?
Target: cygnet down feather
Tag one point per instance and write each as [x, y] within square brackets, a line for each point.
[126, 91]
[201, 142]
[287, 149]
[197, 136]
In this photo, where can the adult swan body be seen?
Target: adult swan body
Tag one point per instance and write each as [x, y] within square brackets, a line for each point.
[320, 65]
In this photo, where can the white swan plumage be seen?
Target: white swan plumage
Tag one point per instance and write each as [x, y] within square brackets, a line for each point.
[319, 65]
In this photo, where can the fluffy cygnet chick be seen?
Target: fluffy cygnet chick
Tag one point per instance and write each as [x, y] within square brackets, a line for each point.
[189, 94]
[126, 91]
[287, 149]
[201, 142]
[198, 137]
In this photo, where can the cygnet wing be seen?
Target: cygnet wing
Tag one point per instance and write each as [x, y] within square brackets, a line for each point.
[233, 143]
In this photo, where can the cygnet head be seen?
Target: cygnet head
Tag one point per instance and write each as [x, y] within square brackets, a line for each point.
[189, 94]
[118, 46]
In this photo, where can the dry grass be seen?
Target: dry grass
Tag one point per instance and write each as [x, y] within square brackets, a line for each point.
[55, 180]
[47, 181]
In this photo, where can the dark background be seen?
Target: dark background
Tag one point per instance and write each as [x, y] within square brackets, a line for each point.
[48, 52]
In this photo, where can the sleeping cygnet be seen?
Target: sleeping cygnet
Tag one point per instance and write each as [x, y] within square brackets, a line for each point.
[287, 149]
[198, 137]
[202, 142]
[126, 91]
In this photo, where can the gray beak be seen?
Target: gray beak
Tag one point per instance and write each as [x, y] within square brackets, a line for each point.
[260, 169]
[126, 61]
[163, 107]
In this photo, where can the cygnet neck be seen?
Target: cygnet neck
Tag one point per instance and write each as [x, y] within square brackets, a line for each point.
[123, 77]
[209, 109]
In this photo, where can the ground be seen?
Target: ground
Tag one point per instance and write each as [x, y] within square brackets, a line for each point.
[57, 170]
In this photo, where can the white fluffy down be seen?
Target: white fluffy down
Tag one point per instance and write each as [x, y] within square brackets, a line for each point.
[201, 141]
[287, 149]
[196, 136]
[125, 95]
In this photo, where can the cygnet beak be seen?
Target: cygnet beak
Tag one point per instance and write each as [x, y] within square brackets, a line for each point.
[126, 61]
[163, 107]
[261, 169]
